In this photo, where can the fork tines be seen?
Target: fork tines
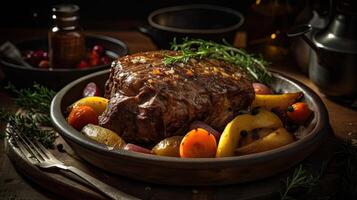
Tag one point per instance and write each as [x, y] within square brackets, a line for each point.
[32, 150]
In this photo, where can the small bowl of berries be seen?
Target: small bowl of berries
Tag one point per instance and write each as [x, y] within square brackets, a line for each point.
[100, 52]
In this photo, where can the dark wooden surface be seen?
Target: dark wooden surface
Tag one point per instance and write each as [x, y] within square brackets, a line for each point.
[343, 120]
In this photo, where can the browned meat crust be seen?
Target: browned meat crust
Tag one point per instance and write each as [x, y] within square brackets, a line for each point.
[150, 101]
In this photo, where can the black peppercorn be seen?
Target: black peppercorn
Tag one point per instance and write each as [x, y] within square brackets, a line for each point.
[255, 111]
[243, 133]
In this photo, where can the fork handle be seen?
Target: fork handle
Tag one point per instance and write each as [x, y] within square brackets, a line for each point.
[107, 190]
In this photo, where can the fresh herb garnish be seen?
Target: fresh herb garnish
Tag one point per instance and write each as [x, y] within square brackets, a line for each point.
[29, 126]
[34, 119]
[300, 178]
[198, 48]
[36, 99]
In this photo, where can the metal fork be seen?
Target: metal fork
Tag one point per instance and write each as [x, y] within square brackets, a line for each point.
[38, 155]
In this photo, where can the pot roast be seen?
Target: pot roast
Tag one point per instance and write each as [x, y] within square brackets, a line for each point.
[149, 101]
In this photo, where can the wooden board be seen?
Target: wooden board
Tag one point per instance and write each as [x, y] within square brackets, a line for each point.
[56, 182]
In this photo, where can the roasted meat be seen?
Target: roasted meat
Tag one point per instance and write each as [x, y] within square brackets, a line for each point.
[150, 101]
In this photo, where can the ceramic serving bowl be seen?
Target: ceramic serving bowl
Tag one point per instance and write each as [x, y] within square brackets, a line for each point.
[22, 76]
[198, 171]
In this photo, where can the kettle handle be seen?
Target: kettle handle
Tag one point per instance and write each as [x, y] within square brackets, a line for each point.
[300, 31]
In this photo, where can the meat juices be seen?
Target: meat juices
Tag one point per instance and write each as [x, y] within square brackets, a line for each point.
[149, 101]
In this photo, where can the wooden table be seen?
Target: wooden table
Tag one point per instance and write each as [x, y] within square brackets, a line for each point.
[343, 120]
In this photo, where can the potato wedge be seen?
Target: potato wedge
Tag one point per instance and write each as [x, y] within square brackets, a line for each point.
[99, 104]
[168, 147]
[250, 138]
[277, 138]
[104, 136]
[230, 137]
[270, 101]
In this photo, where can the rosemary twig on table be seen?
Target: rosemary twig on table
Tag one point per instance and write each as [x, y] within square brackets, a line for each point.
[34, 119]
[198, 48]
[36, 99]
[29, 125]
[300, 178]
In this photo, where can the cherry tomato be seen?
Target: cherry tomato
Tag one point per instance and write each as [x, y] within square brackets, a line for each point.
[260, 88]
[299, 112]
[81, 116]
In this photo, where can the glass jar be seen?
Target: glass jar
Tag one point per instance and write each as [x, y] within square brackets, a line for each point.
[66, 39]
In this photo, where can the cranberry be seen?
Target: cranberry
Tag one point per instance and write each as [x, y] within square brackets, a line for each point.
[29, 57]
[83, 64]
[39, 54]
[98, 49]
[91, 89]
[45, 55]
[28, 54]
[93, 58]
[44, 64]
[105, 60]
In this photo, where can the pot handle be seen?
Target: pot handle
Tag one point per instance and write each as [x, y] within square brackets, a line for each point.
[300, 30]
[148, 31]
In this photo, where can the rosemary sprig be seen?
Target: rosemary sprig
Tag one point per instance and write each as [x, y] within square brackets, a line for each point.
[198, 48]
[300, 178]
[29, 125]
[34, 120]
[36, 99]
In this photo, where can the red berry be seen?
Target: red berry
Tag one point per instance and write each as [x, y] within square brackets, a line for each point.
[105, 60]
[98, 49]
[93, 58]
[45, 55]
[39, 54]
[28, 54]
[83, 64]
[29, 57]
[44, 64]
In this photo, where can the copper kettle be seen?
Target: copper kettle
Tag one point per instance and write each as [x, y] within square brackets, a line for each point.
[333, 63]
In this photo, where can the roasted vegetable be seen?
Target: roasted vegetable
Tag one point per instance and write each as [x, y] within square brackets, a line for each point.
[299, 112]
[198, 143]
[81, 116]
[99, 104]
[277, 138]
[168, 147]
[104, 136]
[249, 137]
[136, 148]
[260, 88]
[270, 101]
[199, 124]
[231, 135]
[90, 90]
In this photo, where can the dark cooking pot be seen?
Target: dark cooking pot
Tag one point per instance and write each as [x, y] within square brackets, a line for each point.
[333, 63]
[195, 21]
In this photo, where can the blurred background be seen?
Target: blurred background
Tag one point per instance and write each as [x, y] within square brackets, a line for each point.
[106, 14]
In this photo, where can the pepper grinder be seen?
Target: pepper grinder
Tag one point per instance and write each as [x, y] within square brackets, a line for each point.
[66, 38]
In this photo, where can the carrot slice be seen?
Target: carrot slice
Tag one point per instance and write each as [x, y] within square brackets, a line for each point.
[81, 116]
[198, 143]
